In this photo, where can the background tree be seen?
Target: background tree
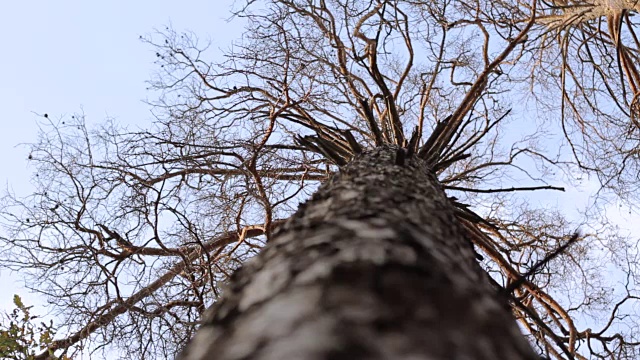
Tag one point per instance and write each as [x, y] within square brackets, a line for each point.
[135, 230]
[21, 338]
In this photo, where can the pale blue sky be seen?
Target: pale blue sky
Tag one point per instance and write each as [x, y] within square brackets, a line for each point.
[59, 56]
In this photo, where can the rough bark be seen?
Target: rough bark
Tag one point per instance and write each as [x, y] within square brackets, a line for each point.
[374, 266]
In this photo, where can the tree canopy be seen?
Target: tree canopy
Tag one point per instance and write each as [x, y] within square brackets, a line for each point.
[135, 230]
[21, 338]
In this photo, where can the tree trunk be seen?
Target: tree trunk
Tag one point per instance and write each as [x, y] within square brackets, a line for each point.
[374, 266]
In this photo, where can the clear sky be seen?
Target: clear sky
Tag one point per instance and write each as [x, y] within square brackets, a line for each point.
[60, 56]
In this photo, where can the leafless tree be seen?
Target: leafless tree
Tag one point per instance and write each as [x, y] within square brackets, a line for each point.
[131, 233]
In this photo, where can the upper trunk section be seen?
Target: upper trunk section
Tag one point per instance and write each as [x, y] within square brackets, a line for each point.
[374, 266]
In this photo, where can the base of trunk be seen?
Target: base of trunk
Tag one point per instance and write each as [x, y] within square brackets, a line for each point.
[374, 266]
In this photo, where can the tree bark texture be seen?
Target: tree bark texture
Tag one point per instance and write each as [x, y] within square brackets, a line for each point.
[373, 266]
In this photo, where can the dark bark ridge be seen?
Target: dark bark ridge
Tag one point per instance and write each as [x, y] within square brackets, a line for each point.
[373, 266]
